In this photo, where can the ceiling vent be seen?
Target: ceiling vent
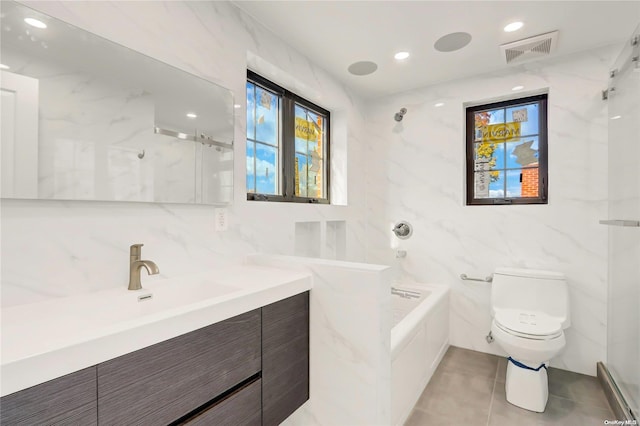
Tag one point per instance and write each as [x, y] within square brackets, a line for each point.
[530, 48]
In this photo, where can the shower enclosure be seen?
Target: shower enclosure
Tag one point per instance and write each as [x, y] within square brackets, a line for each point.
[623, 326]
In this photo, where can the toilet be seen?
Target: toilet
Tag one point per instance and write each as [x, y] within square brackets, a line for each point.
[530, 310]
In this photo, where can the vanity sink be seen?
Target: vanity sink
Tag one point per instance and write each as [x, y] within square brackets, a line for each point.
[169, 294]
[44, 340]
[62, 321]
[163, 296]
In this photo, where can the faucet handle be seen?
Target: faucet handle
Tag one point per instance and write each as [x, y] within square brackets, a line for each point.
[136, 250]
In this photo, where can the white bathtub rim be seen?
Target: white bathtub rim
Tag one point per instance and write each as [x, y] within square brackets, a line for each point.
[402, 333]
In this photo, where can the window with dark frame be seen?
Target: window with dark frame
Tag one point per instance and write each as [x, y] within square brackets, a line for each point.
[287, 145]
[507, 152]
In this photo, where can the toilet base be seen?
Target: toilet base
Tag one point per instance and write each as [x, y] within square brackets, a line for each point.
[527, 389]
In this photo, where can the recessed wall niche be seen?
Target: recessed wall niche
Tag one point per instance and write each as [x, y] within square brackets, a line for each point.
[307, 239]
[336, 240]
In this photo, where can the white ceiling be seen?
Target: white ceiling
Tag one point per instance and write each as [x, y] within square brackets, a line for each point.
[334, 34]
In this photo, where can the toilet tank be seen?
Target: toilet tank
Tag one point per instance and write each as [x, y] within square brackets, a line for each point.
[531, 290]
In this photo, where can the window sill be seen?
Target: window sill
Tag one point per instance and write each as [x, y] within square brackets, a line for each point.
[283, 199]
[507, 201]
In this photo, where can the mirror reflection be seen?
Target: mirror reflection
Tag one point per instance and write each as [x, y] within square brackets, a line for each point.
[84, 118]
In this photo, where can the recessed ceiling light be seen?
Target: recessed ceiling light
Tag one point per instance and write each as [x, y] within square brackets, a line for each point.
[439, 104]
[192, 115]
[401, 55]
[514, 88]
[514, 26]
[363, 68]
[35, 23]
[4, 67]
[616, 117]
[236, 106]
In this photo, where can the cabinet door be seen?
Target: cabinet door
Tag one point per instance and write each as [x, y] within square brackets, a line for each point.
[285, 358]
[67, 400]
[164, 382]
[241, 408]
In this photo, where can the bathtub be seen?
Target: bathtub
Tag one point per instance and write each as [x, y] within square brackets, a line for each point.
[419, 339]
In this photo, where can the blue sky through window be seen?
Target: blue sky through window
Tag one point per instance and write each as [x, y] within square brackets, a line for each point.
[251, 176]
[514, 186]
[263, 126]
[266, 169]
[509, 156]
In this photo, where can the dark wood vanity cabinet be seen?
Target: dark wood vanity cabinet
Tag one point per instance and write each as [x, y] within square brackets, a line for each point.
[242, 407]
[164, 382]
[285, 358]
[252, 369]
[67, 400]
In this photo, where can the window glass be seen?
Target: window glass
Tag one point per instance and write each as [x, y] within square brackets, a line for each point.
[309, 145]
[251, 111]
[266, 169]
[266, 116]
[287, 145]
[251, 167]
[522, 152]
[263, 140]
[507, 152]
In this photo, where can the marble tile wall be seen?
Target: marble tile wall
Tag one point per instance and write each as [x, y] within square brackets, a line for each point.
[56, 248]
[416, 172]
[350, 342]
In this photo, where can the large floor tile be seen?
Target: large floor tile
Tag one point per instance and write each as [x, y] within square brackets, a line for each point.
[477, 363]
[576, 387]
[457, 395]
[468, 388]
[559, 411]
[501, 374]
[422, 418]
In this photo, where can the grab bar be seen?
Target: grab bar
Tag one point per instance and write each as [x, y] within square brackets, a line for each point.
[620, 222]
[407, 294]
[486, 280]
[195, 138]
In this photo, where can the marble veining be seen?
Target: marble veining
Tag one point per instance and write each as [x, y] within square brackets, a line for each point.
[60, 248]
[350, 342]
[384, 173]
[420, 177]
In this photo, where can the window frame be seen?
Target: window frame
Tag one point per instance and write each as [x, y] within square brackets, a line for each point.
[543, 165]
[288, 100]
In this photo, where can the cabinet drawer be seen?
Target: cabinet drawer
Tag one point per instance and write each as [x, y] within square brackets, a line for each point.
[241, 408]
[166, 381]
[285, 357]
[67, 400]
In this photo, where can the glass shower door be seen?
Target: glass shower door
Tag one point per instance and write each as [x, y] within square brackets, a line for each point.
[623, 327]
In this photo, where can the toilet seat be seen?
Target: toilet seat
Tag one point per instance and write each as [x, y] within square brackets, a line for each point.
[528, 324]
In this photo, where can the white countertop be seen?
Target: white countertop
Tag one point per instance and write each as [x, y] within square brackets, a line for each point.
[42, 341]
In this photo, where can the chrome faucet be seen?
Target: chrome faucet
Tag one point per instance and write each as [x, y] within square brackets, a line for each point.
[135, 264]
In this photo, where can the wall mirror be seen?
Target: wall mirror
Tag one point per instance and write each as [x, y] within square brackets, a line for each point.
[84, 118]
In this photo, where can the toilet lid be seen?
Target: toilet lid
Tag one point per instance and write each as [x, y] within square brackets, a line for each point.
[528, 323]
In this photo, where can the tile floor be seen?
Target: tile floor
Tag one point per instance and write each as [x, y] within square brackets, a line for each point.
[467, 388]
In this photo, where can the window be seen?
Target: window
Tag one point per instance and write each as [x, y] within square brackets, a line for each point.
[287, 145]
[507, 152]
